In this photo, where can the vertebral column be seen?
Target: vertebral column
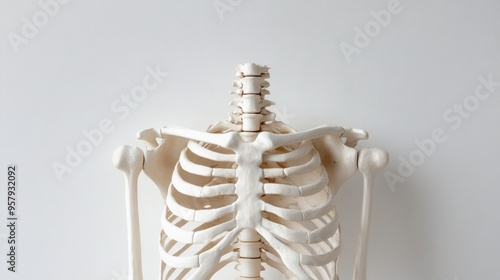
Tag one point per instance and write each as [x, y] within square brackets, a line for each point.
[251, 106]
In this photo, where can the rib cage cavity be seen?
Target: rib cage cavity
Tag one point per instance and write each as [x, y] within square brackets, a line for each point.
[280, 196]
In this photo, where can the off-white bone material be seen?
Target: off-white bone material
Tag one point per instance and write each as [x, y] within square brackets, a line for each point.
[130, 161]
[250, 191]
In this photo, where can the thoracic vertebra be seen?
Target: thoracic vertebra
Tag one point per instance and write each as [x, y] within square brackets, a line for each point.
[250, 190]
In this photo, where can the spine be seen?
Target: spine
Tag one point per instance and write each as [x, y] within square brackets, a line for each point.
[249, 257]
[251, 105]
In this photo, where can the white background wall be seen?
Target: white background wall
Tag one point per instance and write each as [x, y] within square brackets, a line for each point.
[438, 221]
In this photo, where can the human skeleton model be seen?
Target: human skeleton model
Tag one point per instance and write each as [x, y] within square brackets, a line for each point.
[250, 190]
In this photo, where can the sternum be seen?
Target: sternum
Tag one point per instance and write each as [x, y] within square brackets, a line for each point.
[249, 187]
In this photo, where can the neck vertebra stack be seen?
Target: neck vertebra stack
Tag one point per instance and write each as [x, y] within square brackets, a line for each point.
[251, 106]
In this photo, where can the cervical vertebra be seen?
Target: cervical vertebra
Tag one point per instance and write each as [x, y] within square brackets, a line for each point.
[250, 190]
[251, 106]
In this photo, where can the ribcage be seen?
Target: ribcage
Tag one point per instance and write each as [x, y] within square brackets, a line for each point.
[282, 194]
[300, 211]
